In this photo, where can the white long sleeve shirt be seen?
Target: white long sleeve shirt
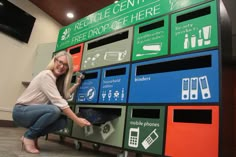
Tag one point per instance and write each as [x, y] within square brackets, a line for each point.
[43, 90]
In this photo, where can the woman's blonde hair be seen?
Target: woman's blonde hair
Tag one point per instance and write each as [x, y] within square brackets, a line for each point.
[63, 81]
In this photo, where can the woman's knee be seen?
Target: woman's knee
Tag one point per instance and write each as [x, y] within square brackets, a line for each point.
[54, 110]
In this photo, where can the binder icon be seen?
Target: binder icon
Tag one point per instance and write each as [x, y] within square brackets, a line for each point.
[194, 88]
[185, 88]
[190, 88]
[204, 86]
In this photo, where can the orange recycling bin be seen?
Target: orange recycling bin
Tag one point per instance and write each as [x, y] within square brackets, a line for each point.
[192, 131]
[76, 52]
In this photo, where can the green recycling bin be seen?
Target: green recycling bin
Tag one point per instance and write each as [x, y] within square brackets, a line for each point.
[144, 131]
[107, 132]
[151, 39]
[194, 29]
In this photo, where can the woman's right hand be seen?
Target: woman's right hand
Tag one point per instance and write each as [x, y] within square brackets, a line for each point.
[82, 122]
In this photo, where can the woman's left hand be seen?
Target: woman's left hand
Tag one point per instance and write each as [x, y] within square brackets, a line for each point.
[78, 81]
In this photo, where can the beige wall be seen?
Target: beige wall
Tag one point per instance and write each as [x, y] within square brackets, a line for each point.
[17, 58]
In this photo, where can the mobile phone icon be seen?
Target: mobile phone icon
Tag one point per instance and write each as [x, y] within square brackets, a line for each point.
[152, 137]
[185, 88]
[204, 87]
[194, 88]
[133, 137]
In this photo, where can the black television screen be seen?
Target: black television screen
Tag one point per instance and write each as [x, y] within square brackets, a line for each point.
[15, 21]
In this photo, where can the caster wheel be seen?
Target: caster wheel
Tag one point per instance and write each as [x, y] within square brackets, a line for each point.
[123, 154]
[96, 146]
[78, 145]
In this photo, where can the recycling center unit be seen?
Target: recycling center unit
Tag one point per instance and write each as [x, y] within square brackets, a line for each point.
[153, 76]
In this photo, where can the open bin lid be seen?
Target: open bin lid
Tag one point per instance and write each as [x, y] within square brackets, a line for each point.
[98, 116]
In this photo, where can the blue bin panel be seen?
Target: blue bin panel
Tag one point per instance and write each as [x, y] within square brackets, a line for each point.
[89, 88]
[114, 84]
[183, 79]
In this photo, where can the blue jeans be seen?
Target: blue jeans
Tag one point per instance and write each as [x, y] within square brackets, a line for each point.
[39, 119]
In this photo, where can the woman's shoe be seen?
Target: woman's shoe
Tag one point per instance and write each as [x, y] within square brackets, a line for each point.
[36, 144]
[29, 145]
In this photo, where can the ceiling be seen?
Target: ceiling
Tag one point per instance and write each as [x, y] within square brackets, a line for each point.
[57, 9]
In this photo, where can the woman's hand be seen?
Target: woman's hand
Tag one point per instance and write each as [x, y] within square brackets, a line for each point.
[82, 122]
[78, 81]
[80, 76]
[75, 85]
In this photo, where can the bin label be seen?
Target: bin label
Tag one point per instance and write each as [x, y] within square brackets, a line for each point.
[194, 29]
[114, 84]
[88, 90]
[144, 130]
[180, 79]
[151, 39]
[108, 50]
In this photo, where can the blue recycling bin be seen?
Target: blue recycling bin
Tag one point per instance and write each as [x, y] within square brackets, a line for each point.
[114, 84]
[89, 88]
[179, 79]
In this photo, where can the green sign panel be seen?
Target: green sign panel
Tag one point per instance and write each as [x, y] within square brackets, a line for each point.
[194, 29]
[117, 16]
[144, 129]
[151, 39]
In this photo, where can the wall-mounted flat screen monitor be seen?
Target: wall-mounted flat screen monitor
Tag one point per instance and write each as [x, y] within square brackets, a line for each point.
[15, 22]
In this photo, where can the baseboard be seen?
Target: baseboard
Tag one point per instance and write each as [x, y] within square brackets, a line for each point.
[7, 123]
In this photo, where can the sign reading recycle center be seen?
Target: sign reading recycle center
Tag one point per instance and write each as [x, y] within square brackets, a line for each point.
[116, 16]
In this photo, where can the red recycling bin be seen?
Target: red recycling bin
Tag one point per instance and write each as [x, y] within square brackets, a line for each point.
[76, 52]
[192, 131]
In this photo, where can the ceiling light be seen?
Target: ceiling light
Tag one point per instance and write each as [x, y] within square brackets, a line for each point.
[70, 15]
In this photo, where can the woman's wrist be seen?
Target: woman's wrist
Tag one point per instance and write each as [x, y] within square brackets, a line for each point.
[76, 84]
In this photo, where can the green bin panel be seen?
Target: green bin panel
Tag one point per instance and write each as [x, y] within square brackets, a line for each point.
[110, 49]
[151, 39]
[194, 29]
[144, 129]
[110, 133]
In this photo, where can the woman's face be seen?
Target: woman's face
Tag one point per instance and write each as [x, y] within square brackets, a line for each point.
[60, 66]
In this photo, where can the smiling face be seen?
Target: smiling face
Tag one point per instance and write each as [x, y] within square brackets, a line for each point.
[60, 66]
